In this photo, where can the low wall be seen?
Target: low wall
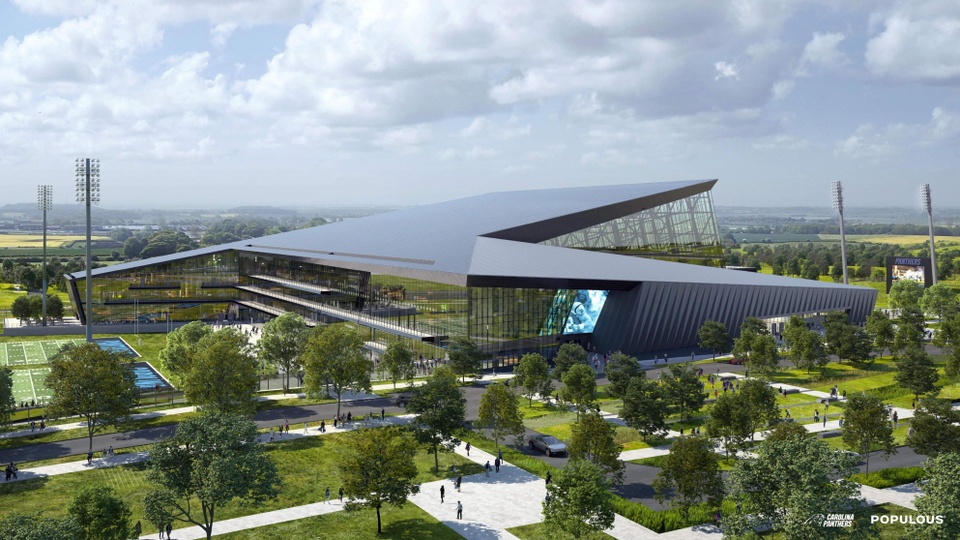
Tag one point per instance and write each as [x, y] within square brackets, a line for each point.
[61, 329]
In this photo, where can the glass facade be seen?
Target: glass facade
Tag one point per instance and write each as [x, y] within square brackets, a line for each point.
[684, 230]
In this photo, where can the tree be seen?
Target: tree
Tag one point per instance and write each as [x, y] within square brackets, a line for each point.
[281, 343]
[835, 324]
[906, 294]
[181, 347]
[94, 383]
[620, 369]
[377, 468]
[682, 389]
[533, 375]
[580, 500]
[786, 430]
[881, 330]
[334, 355]
[21, 308]
[757, 345]
[643, 407]
[935, 428]
[867, 426]
[568, 356]
[854, 344]
[212, 458]
[101, 514]
[398, 360]
[789, 481]
[715, 337]
[760, 400]
[579, 387]
[811, 271]
[7, 401]
[500, 412]
[55, 308]
[594, 439]
[440, 411]
[916, 372]
[941, 491]
[690, 473]
[939, 299]
[465, 357]
[730, 422]
[223, 373]
[17, 526]
[910, 329]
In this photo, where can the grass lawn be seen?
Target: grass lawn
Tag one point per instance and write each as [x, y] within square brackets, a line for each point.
[549, 420]
[407, 523]
[536, 531]
[886, 478]
[307, 466]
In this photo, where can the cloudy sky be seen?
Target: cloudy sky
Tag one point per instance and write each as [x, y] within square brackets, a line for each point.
[212, 103]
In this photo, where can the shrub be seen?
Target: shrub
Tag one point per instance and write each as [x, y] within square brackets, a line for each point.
[885, 478]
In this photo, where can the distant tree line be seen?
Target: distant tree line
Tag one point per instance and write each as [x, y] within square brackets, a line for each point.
[849, 228]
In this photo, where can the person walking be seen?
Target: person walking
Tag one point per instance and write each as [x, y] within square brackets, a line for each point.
[340, 494]
[323, 427]
[169, 530]
[468, 449]
[382, 410]
[443, 492]
[500, 454]
[160, 528]
[496, 465]
[486, 468]
[459, 510]
[459, 481]
[549, 478]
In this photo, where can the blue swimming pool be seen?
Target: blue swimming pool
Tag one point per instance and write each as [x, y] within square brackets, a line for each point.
[116, 344]
[148, 378]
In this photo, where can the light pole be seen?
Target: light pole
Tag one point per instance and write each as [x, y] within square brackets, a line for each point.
[928, 206]
[88, 191]
[838, 204]
[44, 203]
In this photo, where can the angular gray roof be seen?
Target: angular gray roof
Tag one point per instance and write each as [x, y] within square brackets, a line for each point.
[492, 239]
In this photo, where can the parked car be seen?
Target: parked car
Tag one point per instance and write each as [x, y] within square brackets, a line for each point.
[548, 444]
[402, 400]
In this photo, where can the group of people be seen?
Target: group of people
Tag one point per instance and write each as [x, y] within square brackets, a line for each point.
[11, 471]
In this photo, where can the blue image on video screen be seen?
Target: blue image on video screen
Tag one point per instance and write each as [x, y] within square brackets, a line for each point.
[585, 311]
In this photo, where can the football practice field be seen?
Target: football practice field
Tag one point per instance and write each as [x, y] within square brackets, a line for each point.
[21, 357]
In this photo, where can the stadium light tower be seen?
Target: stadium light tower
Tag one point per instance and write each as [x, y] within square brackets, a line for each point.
[88, 191]
[838, 204]
[44, 203]
[928, 206]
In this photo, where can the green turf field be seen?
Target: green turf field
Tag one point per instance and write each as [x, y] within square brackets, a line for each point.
[28, 382]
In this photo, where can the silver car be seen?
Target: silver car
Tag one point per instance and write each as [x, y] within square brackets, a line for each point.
[548, 444]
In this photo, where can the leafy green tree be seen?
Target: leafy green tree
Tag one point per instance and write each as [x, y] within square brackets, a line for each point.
[811, 271]
[835, 323]
[939, 299]
[935, 428]
[836, 273]
[855, 345]
[500, 412]
[682, 389]
[440, 411]
[7, 401]
[715, 337]
[941, 493]
[223, 373]
[867, 426]
[398, 360]
[881, 330]
[906, 294]
[377, 468]
[644, 407]
[465, 357]
[757, 345]
[916, 372]
[101, 513]
[580, 501]
[947, 337]
[620, 369]
[55, 308]
[760, 401]
[21, 308]
[334, 357]
[94, 383]
[786, 430]
[533, 375]
[594, 439]
[730, 422]
[281, 343]
[806, 347]
[579, 387]
[36, 307]
[689, 474]
[20, 526]
[211, 460]
[569, 355]
[789, 481]
[181, 348]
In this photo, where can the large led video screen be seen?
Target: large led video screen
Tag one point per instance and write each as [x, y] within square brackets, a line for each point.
[916, 269]
[585, 311]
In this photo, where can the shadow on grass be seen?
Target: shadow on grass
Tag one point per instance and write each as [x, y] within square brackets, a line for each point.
[416, 529]
[23, 485]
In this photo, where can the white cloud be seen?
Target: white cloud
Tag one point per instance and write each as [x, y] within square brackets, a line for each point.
[220, 34]
[725, 71]
[404, 138]
[822, 53]
[919, 41]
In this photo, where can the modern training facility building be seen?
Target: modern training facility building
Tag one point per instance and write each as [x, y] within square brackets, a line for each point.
[635, 268]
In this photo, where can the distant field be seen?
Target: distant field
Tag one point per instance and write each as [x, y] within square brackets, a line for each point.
[906, 239]
[36, 240]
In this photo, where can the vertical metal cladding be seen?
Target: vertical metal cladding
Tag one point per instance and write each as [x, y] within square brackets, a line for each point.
[657, 316]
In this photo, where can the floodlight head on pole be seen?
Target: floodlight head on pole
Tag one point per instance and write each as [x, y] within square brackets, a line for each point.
[44, 198]
[925, 198]
[88, 168]
[838, 196]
